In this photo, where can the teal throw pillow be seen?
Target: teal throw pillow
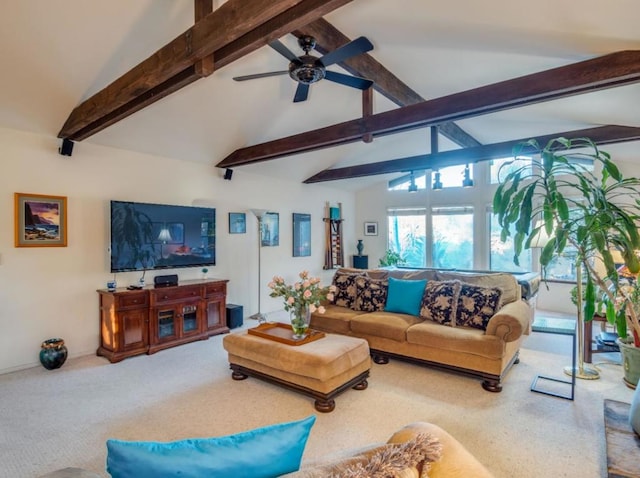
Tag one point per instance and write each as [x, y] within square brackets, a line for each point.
[260, 453]
[405, 296]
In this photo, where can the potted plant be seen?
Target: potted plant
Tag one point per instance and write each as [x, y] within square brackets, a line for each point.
[390, 258]
[595, 212]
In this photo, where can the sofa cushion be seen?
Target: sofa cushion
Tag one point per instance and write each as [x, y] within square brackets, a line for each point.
[405, 296]
[465, 340]
[476, 305]
[371, 294]
[263, 452]
[335, 319]
[346, 291]
[389, 325]
[439, 301]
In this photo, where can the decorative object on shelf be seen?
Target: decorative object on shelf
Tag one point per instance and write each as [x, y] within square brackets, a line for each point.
[112, 284]
[370, 228]
[301, 235]
[53, 353]
[40, 221]
[204, 272]
[601, 220]
[237, 223]
[360, 247]
[301, 299]
[141, 281]
[334, 254]
[259, 214]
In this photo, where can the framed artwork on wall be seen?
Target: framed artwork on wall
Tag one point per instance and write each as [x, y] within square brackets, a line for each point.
[301, 235]
[40, 221]
[237, 223]
[370, 228]
[270, 229]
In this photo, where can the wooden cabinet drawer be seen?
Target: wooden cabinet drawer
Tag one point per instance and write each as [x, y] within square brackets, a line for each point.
[133, 300]
[216, 288]
[171, 294]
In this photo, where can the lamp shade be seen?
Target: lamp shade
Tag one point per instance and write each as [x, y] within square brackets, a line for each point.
[259, 213]
[164, 235]
[541, 238]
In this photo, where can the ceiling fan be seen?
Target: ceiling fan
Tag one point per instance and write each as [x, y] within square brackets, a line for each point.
[308, 69]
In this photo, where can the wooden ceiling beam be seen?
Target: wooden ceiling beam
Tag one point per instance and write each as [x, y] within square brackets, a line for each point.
[601, 135]
[236, 28]
[329, 38]
[608, 71]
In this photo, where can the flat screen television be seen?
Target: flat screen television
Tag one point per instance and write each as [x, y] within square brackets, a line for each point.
[160, 236]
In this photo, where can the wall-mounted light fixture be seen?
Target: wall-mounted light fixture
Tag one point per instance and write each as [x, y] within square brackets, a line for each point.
[437, 183]
[467, 182]
[413, 187]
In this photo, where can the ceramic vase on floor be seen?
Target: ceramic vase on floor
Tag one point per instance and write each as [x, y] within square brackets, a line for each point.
[300, 319]
[53, 353]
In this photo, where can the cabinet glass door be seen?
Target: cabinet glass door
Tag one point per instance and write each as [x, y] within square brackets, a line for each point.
[166, 324]
[189, 319]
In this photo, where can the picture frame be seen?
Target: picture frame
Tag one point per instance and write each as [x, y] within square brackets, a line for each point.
[40, 220]
[270, 233]
[301, 235]
[237, 223]
[370, 228]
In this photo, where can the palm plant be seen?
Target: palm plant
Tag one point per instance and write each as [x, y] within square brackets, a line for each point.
[595, 212]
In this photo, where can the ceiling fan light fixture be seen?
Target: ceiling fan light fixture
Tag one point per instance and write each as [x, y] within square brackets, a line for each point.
[437, 183]
[413, 187]
[467, 182]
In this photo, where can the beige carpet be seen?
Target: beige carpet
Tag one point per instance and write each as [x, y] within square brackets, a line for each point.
[54, 419]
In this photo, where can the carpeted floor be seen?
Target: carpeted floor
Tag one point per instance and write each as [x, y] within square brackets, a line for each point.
[59, 418]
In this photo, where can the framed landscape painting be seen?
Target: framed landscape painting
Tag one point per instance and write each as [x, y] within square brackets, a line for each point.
[301, 235]
[40, 221]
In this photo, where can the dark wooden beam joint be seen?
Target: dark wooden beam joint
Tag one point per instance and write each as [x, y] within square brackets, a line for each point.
[205, 66]
[367, 110]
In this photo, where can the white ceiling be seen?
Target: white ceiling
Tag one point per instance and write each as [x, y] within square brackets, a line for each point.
[57, 53]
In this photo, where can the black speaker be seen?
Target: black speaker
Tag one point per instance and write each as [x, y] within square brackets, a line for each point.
[228, 173]
[165, 281]
[234, 316]
[67, 147]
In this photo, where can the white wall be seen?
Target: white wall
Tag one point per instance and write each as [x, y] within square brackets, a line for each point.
[50, 292]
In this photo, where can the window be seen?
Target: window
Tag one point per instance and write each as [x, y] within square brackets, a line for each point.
[501, 253]
[452, 237]
[499, 168]
[407, 234]
[452, 176]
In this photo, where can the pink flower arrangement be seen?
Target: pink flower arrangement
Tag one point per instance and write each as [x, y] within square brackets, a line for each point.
[307, 292]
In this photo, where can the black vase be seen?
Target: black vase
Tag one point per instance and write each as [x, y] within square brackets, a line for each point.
[360, 247]
[53, 353]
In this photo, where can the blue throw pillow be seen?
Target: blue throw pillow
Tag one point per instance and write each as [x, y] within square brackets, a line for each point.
[260, 453]
[405, 296]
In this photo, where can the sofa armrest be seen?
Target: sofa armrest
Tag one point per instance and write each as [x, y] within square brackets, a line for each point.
[511, 321]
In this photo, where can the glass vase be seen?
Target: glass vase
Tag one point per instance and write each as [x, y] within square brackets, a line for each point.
[300, 318]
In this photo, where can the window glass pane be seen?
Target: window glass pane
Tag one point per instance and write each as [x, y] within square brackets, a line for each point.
[402, 183]
[452, 238]
[452, 176]
[407, 235]
[563, 267]
[501, 253]
[498, 171]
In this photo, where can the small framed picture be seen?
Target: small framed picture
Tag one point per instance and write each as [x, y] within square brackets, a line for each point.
[370, 228]
[40, 221]
[237, 223]
[301, 235]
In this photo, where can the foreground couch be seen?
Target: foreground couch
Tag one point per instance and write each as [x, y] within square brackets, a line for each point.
[455, 460]
[466, 322]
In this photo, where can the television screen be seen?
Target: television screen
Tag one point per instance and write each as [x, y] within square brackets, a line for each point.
[158, 236]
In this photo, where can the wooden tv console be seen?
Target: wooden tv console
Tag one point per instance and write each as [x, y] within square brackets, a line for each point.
[134, 322]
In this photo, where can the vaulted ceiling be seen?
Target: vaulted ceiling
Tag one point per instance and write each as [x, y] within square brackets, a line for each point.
[145, 76]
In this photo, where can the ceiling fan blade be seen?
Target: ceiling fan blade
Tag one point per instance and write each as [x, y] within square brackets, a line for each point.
[302, 92]
[283, 50]
[260, 75]
[355, 47]
[348, 80]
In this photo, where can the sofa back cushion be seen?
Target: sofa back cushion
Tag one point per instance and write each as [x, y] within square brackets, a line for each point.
[405, 296]
[476, 305]
[346, 290]
[439, 301]
[371, 294]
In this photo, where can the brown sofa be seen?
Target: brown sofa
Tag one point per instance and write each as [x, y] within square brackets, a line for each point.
[467, 322]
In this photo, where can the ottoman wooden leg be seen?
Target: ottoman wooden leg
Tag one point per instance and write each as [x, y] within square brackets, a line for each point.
[237, 373]
[361, 386]
[325, 406]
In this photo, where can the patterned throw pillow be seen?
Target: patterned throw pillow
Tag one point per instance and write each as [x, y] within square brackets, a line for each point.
[346, 292]
[439, 301]
[476, 305]
[371, 294]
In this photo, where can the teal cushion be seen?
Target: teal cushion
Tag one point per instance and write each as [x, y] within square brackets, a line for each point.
[405, 296]
[263, 452]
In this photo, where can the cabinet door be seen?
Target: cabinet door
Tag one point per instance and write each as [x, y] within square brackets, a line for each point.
[166, 325]
[134, 329]
[190, 323]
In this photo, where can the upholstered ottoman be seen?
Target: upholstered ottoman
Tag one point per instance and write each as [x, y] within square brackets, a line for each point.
[321, 369]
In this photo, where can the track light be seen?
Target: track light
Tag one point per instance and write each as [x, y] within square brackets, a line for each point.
[413, 187]
[467, 182]
[437, 184]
